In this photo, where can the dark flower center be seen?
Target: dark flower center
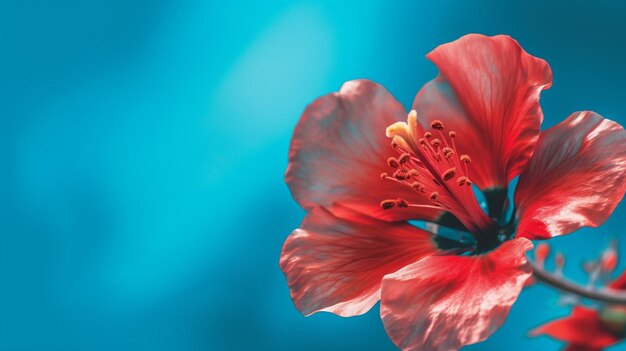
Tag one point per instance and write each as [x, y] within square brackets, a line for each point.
[614, 319]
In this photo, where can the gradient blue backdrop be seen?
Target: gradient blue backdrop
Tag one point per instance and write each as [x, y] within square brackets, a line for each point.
[143, 144]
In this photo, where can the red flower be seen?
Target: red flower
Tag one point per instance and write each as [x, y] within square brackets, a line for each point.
[477, 123]
[588, 329]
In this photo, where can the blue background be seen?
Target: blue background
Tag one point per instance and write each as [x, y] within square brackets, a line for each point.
[143, 144]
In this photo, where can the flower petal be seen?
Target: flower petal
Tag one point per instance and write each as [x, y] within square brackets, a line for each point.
[576, 177]
[619, 283]
[582, 328]
[488, 93]
[574, 347]
[339, 149]
[337, 265]
[445, 302]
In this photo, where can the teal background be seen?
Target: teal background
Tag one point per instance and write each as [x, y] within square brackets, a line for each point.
[143, 144]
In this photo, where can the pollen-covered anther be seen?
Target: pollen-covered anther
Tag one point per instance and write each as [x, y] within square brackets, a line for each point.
[465, 158]
[435, 142]
[401, 203]
[387, 204]
[436, 124]
[417, 186]
[462, 180]
[384, 175]
[413, 173]
[452, 134]
[393, 162]
[449, 174]
[399, 175]
[428, 135]
[447, 152]
[434, 196]
[404, 158]
[422, 141]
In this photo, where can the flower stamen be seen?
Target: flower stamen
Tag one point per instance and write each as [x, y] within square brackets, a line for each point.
[449, 174]
[393, 162]
[427, 164]
[387, 204]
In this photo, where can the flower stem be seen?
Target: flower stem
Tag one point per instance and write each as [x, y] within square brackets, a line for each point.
[562, 284]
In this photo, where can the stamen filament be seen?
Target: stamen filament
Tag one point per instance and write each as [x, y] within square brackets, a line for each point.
[426, 206]
[446, 185]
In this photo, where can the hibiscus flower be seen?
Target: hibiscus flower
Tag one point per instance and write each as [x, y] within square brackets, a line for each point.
[589, 329]
[362, 168]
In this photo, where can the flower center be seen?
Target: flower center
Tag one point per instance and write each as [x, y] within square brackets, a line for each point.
[614, 318]
[430, 164]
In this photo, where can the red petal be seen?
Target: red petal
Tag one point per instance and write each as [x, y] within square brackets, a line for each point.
[580, 348]
[575, 178]
[337, 265]
[488, 93]
[446, 302]
[619, 283]
[582, 328]
[339, 149]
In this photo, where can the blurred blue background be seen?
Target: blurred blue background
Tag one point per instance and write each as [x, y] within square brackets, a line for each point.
[143, 145]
